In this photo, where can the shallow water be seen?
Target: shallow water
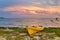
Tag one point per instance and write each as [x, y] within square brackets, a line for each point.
[20, 22]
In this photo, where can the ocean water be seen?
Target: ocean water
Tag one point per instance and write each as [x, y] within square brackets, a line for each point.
[23, 22]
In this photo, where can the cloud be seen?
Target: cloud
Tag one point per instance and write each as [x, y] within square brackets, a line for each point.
[39, 8]
[46, 3]
[51, 2]
[32, 10]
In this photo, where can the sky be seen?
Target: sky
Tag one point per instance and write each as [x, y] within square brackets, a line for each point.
[30, 8]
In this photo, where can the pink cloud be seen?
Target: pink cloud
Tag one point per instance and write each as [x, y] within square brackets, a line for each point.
[32, 10]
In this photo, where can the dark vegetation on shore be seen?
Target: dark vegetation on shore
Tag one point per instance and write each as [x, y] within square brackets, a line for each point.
[51, 30]
[19, 30]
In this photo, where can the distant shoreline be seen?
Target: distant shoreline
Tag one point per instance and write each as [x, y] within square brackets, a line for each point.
[25, 28]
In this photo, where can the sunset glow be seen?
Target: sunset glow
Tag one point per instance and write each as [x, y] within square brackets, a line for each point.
[42, 8]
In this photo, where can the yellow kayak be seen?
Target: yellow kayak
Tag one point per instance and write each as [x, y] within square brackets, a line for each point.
[32, 30]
